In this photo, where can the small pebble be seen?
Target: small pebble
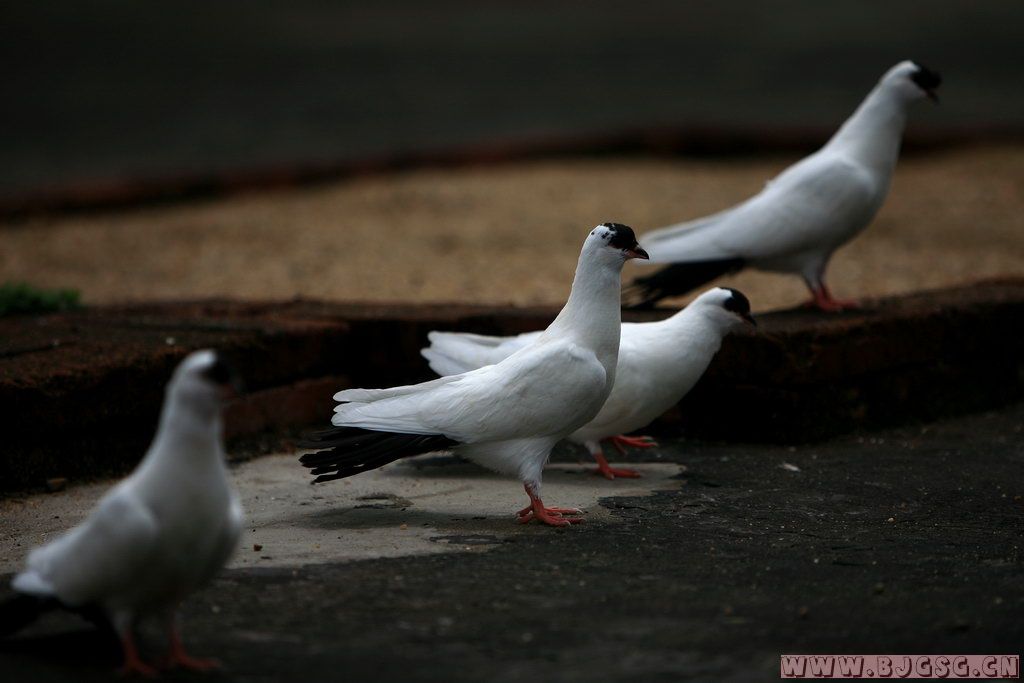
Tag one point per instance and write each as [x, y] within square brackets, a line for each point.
[256, 547]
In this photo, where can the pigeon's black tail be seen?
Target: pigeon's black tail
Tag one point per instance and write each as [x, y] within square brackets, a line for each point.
[676, 279]
[345, 451]
[20, 610]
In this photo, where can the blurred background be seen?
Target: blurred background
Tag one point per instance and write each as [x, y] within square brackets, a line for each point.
[112, 94]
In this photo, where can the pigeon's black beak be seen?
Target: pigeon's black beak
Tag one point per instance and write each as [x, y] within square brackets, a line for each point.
[231, 390]
[749, 319]
[927, 80]
[227, 379]
[636, 252]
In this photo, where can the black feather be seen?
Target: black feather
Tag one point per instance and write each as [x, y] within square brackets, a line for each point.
[737, 303]
[676, 279]
[20, 610]
[346, 451]
[925, 78]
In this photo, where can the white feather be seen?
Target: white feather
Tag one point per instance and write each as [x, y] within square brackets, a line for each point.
[507, 416]
[658, 363]
[162, 532]
[813, 207]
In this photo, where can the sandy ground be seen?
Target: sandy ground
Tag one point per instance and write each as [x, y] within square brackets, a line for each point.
[508, 234]
[427, 505]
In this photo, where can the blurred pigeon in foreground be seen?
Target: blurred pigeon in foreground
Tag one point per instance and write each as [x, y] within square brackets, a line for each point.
[658, 364]
[506, 416]
[155, 537]
[803, 215]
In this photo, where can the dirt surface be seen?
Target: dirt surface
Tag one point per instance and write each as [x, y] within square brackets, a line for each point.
[902, 541]
[508, 234]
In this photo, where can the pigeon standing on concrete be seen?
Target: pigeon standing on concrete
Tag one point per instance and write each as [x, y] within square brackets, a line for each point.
[155, 537]
[506, 416]
[803, 215]
[658, 364]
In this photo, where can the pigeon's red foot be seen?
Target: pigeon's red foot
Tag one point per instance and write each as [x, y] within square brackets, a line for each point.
[824, 301]
[609, 472]
[187, 661]
[133, 664]
[177, 658]
[551, 516]
[622, 441]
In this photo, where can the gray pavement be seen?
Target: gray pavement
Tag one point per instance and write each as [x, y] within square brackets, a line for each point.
[899, 541]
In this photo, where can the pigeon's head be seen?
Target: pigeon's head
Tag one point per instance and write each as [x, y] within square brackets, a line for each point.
[204, 380]
[613, 242]
[913, 81]
[726, 306]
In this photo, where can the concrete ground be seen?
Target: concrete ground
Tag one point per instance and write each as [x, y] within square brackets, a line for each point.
[902, 541]
[509, 233]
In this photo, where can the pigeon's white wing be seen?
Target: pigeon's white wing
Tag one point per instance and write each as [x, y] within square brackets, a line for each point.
[635, 382]
[453, 353]
[227, 540]
[370, 395]
[94, 560]
[540, 390]
[811, 205]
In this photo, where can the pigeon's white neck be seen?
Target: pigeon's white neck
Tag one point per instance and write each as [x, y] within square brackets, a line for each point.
[872, 135]
[704, 325]
[592, 315]
[189, 429]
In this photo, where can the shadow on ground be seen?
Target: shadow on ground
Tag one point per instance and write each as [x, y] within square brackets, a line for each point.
[902, 541]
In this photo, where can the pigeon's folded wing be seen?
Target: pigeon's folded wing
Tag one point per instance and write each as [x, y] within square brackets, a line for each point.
[227, 539]
[793, 213]
[457, 352]
[635, 382]
[536, 391]
[98, 557]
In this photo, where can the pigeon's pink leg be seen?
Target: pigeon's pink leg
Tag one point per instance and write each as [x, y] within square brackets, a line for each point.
[133, 664]
[633, 441]
[551, 516]
[609, 472]
[823, 300]
[177, 657]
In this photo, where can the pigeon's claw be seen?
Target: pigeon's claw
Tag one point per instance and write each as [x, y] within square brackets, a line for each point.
[621, 441]
[186, 661]
[551, 516]
[824, 301]
[609, 472]
[177, 658]
[133, 664]
[137, 667]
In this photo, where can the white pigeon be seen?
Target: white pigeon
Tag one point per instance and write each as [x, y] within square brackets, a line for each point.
[658, 364]
[154, 538]
[506, 416]
[802, 216]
